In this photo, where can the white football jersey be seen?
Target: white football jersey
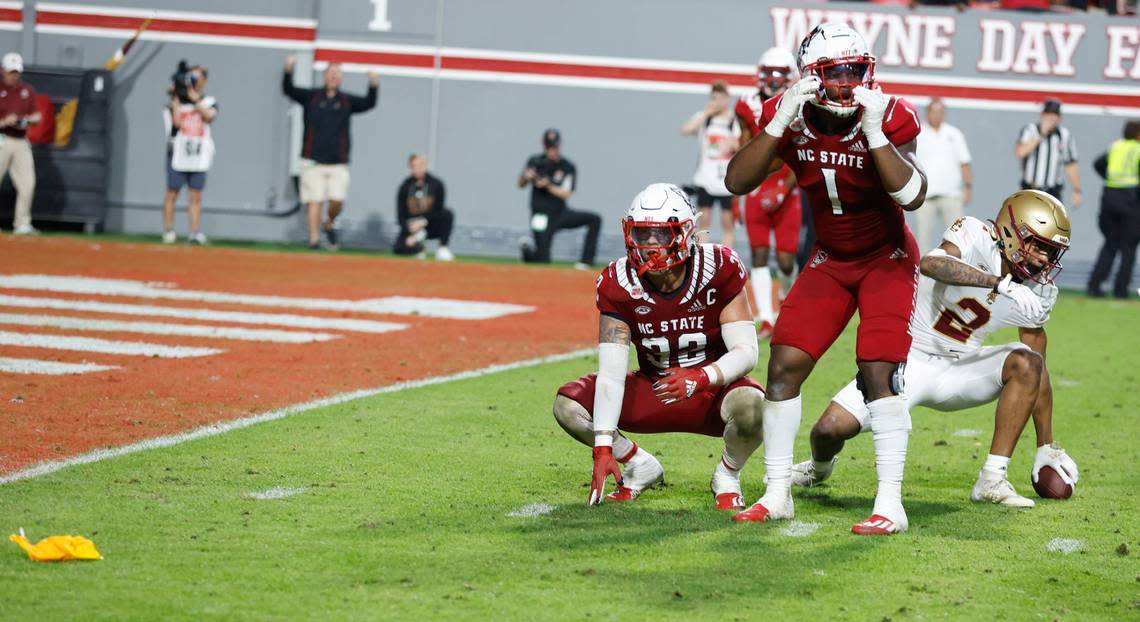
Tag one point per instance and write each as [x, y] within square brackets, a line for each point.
[956, 318]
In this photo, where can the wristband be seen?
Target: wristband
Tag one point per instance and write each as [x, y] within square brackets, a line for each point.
[775, 128]
[909, 192]
[603, 440]
[876, 139]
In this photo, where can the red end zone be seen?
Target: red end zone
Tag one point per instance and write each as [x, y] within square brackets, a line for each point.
[55, 309]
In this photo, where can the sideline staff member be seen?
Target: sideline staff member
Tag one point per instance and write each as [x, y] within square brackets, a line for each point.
[1119, 218]
[1043, 149]
[552, 179]
[421, 212]
[324, 151]
[17, 112]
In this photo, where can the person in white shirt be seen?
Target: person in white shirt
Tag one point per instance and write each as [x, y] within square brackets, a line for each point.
[718, 132]
[985, 276]
[190, 148]
[943, 153]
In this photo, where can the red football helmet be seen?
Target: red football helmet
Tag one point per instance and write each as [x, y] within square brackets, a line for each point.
[658, 228]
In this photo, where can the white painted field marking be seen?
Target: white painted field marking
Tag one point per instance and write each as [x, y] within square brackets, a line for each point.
[237, 317]
[796, 529]
[51, 466]
[534, 509]
[1064, 545]
[105, 346]
[274, 493]
[967, 432]
[159, 328]
[1066, 383]
[50, 368]
[399, 305]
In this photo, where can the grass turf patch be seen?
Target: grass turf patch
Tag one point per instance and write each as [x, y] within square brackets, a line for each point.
[398, 506]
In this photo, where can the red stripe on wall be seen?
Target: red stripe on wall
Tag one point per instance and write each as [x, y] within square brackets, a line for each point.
[11, 15]
[393, 59]
[593, 71]
[1011, 95]
[220, 29]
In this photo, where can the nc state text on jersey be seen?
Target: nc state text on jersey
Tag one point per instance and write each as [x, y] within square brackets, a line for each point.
[831, 157]
[675, 324]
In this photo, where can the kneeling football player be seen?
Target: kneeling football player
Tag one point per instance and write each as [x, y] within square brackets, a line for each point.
[985, 276]
[683, 306]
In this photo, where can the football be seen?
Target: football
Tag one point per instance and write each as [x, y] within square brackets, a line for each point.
[1049, 485]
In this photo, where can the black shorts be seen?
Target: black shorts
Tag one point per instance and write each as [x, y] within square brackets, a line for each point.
[704, 199]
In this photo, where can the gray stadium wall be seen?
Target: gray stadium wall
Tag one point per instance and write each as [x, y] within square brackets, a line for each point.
[474, 83]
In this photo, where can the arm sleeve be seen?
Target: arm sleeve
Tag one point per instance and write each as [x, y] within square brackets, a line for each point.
[1100, 165]
[609, 389]
[298, 95]
[366, 103]
[901, 124]
[740, 341]
[440, 193]
[402, 203]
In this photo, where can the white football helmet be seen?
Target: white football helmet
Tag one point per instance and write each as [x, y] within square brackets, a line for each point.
[838, 55]
[658, 228]
[775, 71]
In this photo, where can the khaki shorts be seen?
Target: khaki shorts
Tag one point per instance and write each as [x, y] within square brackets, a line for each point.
[320, 182]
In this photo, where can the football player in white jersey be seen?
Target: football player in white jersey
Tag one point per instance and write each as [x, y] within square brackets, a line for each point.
[985, 276]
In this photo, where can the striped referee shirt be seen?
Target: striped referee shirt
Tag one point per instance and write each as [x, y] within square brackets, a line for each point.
[1042, 168]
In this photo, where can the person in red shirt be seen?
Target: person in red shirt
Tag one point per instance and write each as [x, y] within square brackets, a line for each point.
[852, 149]
[774, 207]
[682, 306]
[17, 112]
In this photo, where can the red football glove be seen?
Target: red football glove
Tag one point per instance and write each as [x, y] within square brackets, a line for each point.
[773, 198]
[681, 383]
[604, 466]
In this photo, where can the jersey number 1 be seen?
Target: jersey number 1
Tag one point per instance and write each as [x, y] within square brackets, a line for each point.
[832, 190]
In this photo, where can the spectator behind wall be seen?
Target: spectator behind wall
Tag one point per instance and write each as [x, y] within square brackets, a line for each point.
[17, 112]
[1119, 218]
[189, 148]
[553, 179]
[326, 144]
[422, 212]
[943, 153]
[718, 136]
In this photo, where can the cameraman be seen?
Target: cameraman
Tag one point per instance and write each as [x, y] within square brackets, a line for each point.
[552, 179]
[421, 212]
[190, 148]
[17, 112]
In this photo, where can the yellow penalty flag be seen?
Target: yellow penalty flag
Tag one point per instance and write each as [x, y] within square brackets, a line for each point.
[57, 548]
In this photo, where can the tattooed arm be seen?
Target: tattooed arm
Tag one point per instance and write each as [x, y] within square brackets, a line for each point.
[613, 330]
[944, 264]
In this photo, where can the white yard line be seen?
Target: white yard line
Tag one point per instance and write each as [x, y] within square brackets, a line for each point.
[104, 346]
[211, 315]
[50, 368]
[1064, 545]
[532, 510]
[397, 305]
[796, 529]
[274, 493]
[160, 328]
[51, 466]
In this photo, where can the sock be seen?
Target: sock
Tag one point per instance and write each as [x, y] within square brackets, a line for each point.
[762, 289]
[890, 427]
[822, 468]
[624, 449]
[995, 466]
[781, 422]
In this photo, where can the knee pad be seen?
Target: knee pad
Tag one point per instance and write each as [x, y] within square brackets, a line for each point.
[896, 382]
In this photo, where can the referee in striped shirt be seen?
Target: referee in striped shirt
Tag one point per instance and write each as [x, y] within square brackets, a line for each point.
[1044, 148]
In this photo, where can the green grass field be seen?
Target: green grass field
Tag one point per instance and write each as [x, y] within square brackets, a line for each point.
[406, 496]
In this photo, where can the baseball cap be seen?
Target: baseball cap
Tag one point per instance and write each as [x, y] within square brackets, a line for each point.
[12, 62]
[1053, 105]
[551, 138]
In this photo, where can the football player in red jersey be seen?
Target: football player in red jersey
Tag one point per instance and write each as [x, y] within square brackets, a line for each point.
[683, 307]
[852, 149]
[773, 207]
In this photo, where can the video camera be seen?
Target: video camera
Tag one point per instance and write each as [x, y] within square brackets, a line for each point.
[184, 78]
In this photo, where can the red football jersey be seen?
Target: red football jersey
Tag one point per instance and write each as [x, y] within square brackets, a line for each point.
[750, 108]
[852, 212]
[682, 328]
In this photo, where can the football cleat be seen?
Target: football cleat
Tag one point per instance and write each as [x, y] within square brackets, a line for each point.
[999, 491]
[805, 474]
[169, 237]
[766, 510]
[725, 486]
[765, 330]
[879, 525]
[641, 472]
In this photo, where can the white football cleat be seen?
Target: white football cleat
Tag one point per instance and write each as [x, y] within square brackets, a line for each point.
[768, 509]
[641, 472]
[725, 487]
[998, 490]
[806, 474]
